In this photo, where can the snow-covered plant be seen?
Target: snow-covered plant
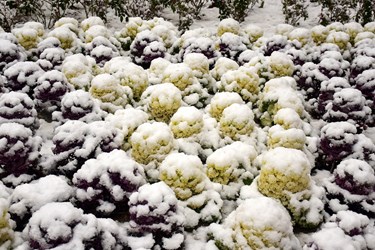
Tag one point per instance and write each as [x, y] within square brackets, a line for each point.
[285, 175]
[198, 44]
[10, 53]
[300, 37]
[74, 142]
[331, 67]
[78, 105]
[78, 70]
[162, 101]
[51, 58]
[348, 105]
[133, 76]
[232, 166]
[180, 75]
[294, 10]
[68, 39]
[50, 89]
[327, 89]
[96, 31]
[154, 209]
[127, 120]
[22, 77]
[91, 21]
[279, 93]
[248, 228]
[365, 82]
[351, 229]
[244, 81]
[288, 138]
[222, 100]
[359, 65]
[107, 89]
[105, 184]
[280, 65]
[200, 65]
[223, 65]
[29, 35]
[19, 108]
[336, 142]
[288, 118]
[26, 199]
[19, 149]
[146, 47]
[230, 45]
[186, 122]
[319, 34]
[187, 11]
[351, 187]
[101, 49]
[275, 43]
[151, 142]
[237, 120]
[339, 38]
[6, 226]
[130, 30]
[253, 32]
[184, 174]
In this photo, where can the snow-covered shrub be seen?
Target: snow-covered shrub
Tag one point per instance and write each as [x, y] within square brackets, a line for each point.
[162, 101]
[130, 30]
[50, 89]
[237, 120]
[19, 108]
[331, 67]
[319, 34]
[285, 175]
[151, 142]
[339, 38]
[187, 121]
[96, 31]
[350, 230]
[74, 142]
[336, 143]
[222, 100]
[78, 70]
[10, 54]
[228, 25]
[6, 226]
[101, 49]
[105, 184]
[327, 89]
[184, 174]
[107, 89]
[279, 93]
[288, 118]
[232, 166]
[200, 65]
[78, 105]
[91, 21]
[359, 65]
[22, 77]
[146, 47]
[353, 29]
[351, 187]
[127, 120]
[198, 44]
[347, 105]
[51, 58]
[253, 32]
[364, 150]
[19, 149]
[223, 65]
[155, 210]
[288, 138]
[230, 45]
[244, 81]
[275, 43]
[280, 65]
[133, 76]
[294, 10]
[365, 82]
[68, 39]
[26, 199]
[257, 223]
[28, 37]
[180, 75]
